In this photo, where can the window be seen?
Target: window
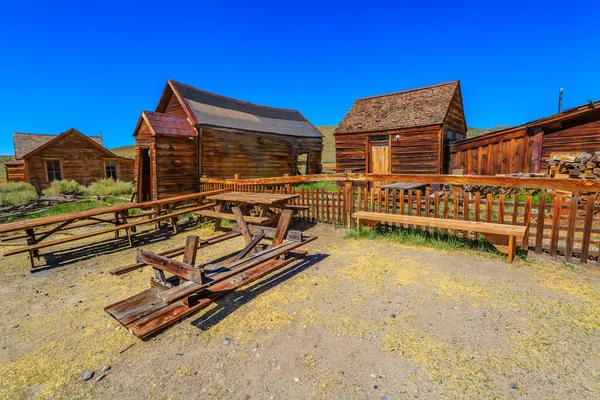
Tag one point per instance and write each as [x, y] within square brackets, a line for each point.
[53, 171]
[110, 167]
[380, 138]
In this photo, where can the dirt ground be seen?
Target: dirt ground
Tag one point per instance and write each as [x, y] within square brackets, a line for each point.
[357, 319]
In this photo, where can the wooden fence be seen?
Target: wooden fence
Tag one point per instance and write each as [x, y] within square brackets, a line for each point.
[569, 227]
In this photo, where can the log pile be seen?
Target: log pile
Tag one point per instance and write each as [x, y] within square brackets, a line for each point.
[581, 166]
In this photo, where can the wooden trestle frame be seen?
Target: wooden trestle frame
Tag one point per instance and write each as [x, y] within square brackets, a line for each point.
[191, 288]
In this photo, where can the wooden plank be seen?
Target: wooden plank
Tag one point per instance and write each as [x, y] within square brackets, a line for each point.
[189, 288]
[527, 221]
[79, 215]
[539, 230]
[485, 180]
[185, 271]
[190, 249]
[483, 227]
[99, 232]
[250, 246]
[571, 228]
[282, 228]
[555, 226]
[587, 228]
[177, 252]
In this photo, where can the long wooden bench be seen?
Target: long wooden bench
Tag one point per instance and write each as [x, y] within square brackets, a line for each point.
[503, 237]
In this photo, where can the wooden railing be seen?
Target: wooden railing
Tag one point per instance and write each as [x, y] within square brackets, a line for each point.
[569, 227]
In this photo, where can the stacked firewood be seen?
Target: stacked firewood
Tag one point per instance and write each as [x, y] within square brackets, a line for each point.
[484, 190]
[582, 166]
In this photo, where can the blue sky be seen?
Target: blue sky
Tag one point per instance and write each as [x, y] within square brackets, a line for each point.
[96, 67]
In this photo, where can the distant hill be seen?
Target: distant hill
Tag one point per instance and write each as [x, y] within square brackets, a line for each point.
[474, 132]
[4, 159]
[125, 151]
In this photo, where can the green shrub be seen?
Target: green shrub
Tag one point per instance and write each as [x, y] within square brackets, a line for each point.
[109, 187]
[12, 193]
[64, 187]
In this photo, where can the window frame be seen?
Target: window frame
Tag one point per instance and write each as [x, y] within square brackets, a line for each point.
[60, 170]
[106, 166]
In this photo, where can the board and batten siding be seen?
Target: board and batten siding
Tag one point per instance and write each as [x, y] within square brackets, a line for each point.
[177, 170]
[497, 154]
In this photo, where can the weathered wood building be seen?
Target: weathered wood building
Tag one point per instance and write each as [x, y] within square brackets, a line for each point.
[193, 133]
[405, 132]
[41, 158]
[525, 148]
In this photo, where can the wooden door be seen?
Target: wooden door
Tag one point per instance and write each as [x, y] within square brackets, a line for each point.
[145, 175]
[379, 159]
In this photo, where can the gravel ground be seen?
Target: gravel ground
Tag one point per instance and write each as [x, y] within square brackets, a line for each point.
[357, 319]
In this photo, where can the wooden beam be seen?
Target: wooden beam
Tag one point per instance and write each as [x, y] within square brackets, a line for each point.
[165, 264]
[513, 182]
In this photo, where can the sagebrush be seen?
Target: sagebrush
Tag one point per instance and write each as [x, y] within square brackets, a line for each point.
[109, 187]
[12, 193]
[65, 186]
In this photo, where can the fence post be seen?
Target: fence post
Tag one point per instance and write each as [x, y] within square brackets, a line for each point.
[235, 184]
[348, 203]
[288, 187]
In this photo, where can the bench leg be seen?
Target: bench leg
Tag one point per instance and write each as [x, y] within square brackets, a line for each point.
[512, 248]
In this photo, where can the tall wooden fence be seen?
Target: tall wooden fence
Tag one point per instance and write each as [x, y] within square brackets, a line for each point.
[557, 225]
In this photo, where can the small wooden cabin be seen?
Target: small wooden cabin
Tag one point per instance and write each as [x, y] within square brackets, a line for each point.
[41, 159]
[525, 148]
[405, 132]
[193, 133]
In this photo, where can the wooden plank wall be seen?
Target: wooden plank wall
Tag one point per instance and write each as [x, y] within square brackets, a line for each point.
[577, 139]
[80, 160]
[417, 151]
[175, 158]
[503, 154]
[255, 155]
[15, 173]
[557, 226]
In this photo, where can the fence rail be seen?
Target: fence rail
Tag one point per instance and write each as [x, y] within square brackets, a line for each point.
[557, 225]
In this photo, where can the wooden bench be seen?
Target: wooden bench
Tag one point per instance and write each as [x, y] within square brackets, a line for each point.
[503, 237]
[231, 217]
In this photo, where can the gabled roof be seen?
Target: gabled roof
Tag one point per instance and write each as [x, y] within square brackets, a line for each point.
[95, 141]
[409, 108]
[25, 143]
[167, 124]
[209, 109]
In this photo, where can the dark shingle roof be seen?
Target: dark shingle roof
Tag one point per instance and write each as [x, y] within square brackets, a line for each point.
[416, 107]
[215, 110]
[167, 124]
[25, 143]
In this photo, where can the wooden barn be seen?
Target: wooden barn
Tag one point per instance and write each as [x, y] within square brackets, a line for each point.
[41, 159]
[193, 133]
[405, 132]
[525, 148]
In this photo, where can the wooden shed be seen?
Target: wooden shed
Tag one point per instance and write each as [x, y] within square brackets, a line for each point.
[193, 133]
[405, 132]
[42, 158]
[525, 148]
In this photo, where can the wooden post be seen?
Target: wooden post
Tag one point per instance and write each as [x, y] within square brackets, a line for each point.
[555, 226]
[571, 228]
[587, 229]
[235, 184]
[539, 229]
[527, 222]
[348, 203]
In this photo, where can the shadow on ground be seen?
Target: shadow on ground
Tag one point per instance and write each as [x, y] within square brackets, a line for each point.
[229, 304]
[61, 258]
